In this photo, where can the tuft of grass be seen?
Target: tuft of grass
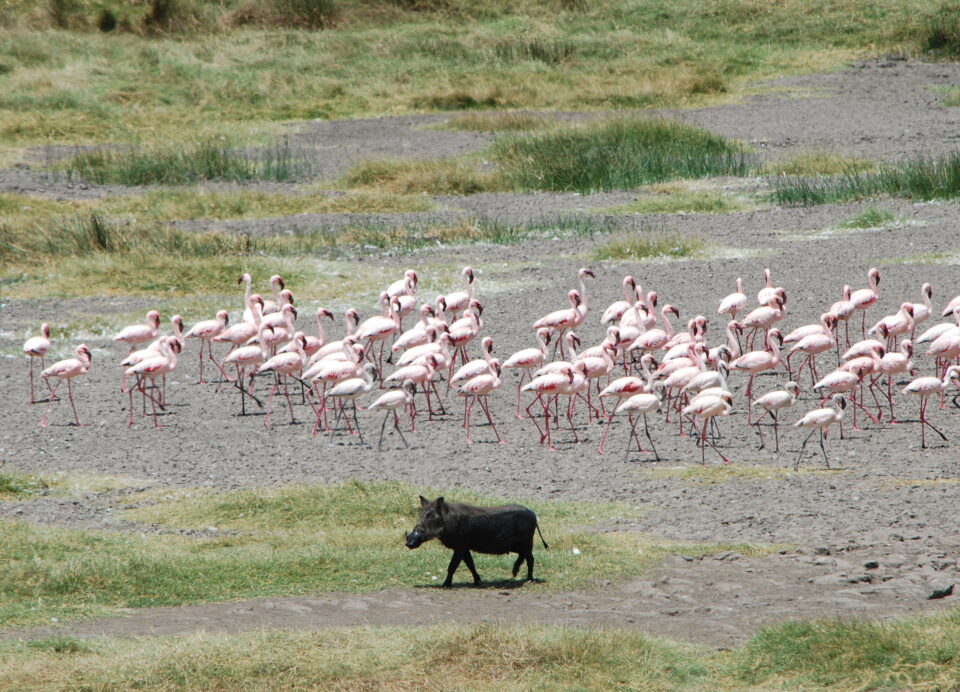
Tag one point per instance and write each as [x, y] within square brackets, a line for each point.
[671, 199]
[505, 121]
[618, 154]
[436, 177]
[817, 162]
[922, 177]
[648, 246]
[871, 217]
[206, 160]
[289, 541]
[21, 485]
[938, 31]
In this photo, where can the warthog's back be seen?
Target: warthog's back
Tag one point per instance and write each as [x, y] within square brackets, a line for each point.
[496, 530]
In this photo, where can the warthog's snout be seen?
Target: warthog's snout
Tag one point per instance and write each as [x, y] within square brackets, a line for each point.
[413, 539]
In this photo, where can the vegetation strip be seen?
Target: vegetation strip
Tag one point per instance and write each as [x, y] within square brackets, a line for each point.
[288, 541]
[915, 653]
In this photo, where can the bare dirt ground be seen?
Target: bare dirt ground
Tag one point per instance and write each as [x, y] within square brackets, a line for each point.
[876, 537]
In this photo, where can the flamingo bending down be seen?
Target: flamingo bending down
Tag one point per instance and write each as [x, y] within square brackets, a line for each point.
[37, 347]
[422, 374]
[773, 402]
[206, 331]
[391, 401]
[925, 387]
[707, 407]
[165, 361]
[820, 419]
[638, 405]
[66, 370]
[529, 359]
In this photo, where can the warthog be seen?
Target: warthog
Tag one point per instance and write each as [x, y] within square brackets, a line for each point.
[462, 528]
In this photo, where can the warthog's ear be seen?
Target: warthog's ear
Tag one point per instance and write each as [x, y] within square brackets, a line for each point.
[424, 501]
[439, 503]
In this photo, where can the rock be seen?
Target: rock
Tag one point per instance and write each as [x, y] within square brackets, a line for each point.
[941, 590]
[871, 564]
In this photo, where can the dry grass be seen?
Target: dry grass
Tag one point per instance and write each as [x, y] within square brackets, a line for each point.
[432, 177]
[499, 121]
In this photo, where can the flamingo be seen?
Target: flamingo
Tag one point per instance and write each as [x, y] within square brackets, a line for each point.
[391, 401]
[756, 362]
[284, 364]
[561, 320]
[479, 387]
[616, 310]
[416, 335]
[843, 309]
[923, 310]
[458, 301]
[206, 331]
[865, 297]
[278, 317]
[330, 371]
[239, 334]
[708, 407]
[773, 402]
[475, 367]
[314, 343]
[899, 323]
[811, 345]
[275, 305]
[438, 341]
[734, 302]
[551, 384]
[66, 370]
[465, 330]
[654, 339]
[140, 333]
[528, 359]
[894, 363]
[405, 291]
[820, 419]
[422, 374]
[768, 290]
[37, 347]
[937, 330]
[247, 310]
[639, 405]
[246, 357]
[350, 390]
[763, 318]
[622, 389]
[380, 327]
[951, 306]
[352, 319]
[925, 387]
[150, 369]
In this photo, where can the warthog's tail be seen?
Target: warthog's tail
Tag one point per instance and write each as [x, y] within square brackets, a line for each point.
[541, 535]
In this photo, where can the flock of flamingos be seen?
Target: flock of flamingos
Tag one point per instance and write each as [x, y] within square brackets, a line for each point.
[642, 366]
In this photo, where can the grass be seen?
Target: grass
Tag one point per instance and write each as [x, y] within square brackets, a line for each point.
[19, 485]
[817, 162]
[648, 246]
[713, 475]
[676, 198]
[289, 541]
[503, 121]
[871, 217]
[429, 177]
[183, 163]
[922, 178]
[97, 71]
[618, 154]
[918, 653]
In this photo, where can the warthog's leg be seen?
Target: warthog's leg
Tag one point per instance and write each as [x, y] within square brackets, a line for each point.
[468, 558]
[452, 567]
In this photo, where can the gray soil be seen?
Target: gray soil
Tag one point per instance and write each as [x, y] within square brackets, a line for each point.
[876, 537]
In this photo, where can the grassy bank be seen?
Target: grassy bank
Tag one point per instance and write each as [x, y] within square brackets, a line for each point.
[78, 71]
[917, 653]
[289, 541]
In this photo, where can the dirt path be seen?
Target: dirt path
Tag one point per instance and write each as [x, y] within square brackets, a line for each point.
[890, 502]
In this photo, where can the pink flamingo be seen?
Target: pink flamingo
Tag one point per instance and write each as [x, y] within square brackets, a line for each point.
[477, 367]
[773, 403]
[139, 333]
[820, 419]
[422, 374]
[843, 309]
[275, 305]
[624, 388]
[315, 343]
[416, 335]
[923, 310]
[37, 347]
[764, 317]
[926, 387]
[708, 407]
[279, 317]
[392, 400]
[616, 310]
[284, 364]
[768, 290]
[439, 344]
[465, 330]
[734, 302]
[549, 385]
[811, 346]
[329, 371]
[66, 370]
[560, 321]
[865, 297]
[352, 320]
[894, 363]
[248, 357]
[756, 362]
[150, 369]
[479, 387]
[458, 301]
[899, 323]
[654, 339]
[951, 307]
[239, 334]
[638, 405]
[205, 331]
[379, 328]
[528, 359]
[596, 367]
[350, 390]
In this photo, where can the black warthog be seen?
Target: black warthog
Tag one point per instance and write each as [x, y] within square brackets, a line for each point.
[462, 528]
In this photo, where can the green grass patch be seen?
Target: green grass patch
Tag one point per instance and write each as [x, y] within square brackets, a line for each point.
[919, 653]
[212, 159]
[496, 121]
[951, 95]
[871, 217]
[429, 177]
[616, 155]
[648, 246]
[671, 199]
[923, 178]
[20, 485]
[288, 541]
[818, 162]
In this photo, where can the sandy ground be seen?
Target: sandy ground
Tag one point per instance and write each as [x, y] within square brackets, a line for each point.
[875, 537]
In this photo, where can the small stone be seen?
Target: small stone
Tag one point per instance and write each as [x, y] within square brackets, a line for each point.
[940, 591]
[871, 564]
